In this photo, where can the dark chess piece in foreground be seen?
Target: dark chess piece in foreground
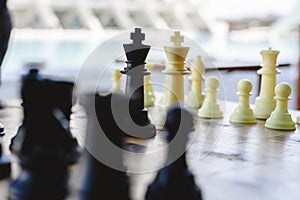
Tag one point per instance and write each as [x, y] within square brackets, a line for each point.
[176, 181]
[5, 168]
[2, 133]
[44, 143]
[5, 28]
[105, 176]
[136, 54]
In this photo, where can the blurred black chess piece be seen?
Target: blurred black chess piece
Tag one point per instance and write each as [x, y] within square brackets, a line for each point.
[44, 143]
[176, 181]
[136, 54]
[102, 181]
[5, 28]
[2, 133]
[4, 161]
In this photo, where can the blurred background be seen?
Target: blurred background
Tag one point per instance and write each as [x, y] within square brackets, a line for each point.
[60, 34]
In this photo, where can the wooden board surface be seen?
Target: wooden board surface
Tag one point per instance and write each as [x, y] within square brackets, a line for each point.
[229, 161]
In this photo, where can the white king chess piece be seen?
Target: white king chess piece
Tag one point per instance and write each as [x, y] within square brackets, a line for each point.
[265, 102]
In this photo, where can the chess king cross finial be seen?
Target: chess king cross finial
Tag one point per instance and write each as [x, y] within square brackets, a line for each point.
[177, 39]
[137, 36]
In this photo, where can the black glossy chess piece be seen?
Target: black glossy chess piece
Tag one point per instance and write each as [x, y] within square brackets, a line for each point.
[102, 181]
[44, 143]
[5, 165]
[5, 28]
[136, 54]
[175, 181]
[2, 133]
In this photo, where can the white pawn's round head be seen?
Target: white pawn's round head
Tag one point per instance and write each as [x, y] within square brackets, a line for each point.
[212, 83]
[283, 91]
[244, 87]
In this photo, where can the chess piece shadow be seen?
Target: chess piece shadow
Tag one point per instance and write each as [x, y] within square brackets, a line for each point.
[175, 181]
[44, 143]
[99, 178]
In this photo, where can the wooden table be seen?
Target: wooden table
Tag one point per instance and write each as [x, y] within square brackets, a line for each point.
[229, 161]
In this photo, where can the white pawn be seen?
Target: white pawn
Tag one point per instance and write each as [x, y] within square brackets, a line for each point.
[149, 97]
[280, 118]
[243, 113]
[195, 97]
[116, 78]
[210, 108]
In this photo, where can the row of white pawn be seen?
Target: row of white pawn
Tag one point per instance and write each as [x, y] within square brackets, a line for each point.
[208, 106]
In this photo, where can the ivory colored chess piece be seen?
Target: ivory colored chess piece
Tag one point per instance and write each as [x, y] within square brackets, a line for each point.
[149, 97]
[243, 113]
[195, 97]
[210, 108]
[298, 119]
[175, 69]
[265, 102]
[174, 73]
[116, 78]
[280, 118]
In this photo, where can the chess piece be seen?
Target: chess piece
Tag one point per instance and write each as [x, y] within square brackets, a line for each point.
[298, 119]
[2, 133]
[116, 78]
[44, 143]
[210, 108]
[5, 168]
[174, 73]
[100, 177]
[148, 89]
[243, 113]
[136, 54]
[280, 118]
[195, 97]
[5, 27]
[265, 102]
[175, 181]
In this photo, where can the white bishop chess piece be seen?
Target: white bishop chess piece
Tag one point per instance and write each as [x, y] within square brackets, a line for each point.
[195, 97]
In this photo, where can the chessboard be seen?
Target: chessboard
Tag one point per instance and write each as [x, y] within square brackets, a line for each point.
[229, 161]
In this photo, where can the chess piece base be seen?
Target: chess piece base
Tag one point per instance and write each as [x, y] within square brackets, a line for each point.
[263, 108]
[194, 102]
[280, 121]
[5, 167]
[40, 183]
[212, 112]
[243, 116]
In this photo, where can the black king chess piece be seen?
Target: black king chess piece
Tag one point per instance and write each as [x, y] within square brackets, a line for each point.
[136, 54]
[103, 166]
[175, 181]
[44, 143]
